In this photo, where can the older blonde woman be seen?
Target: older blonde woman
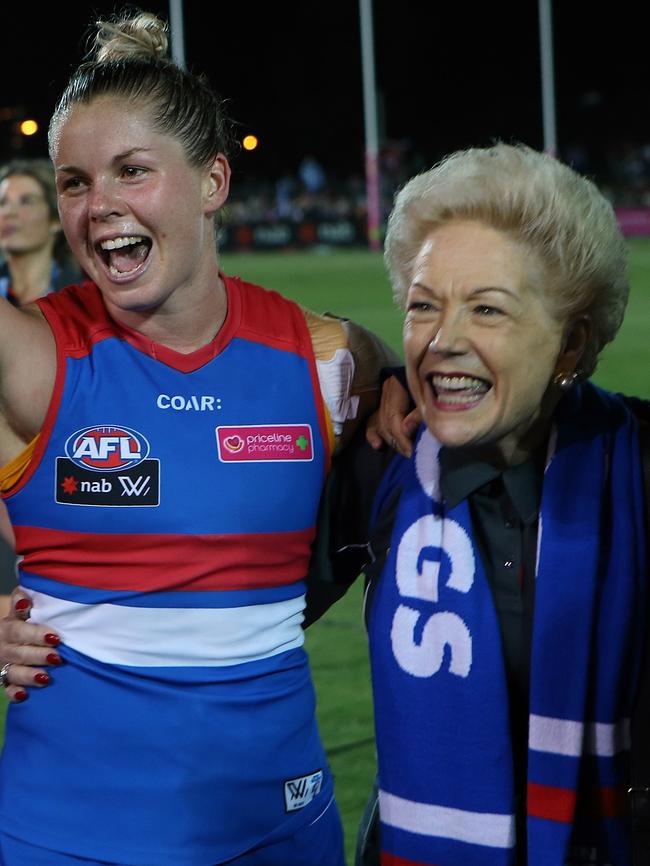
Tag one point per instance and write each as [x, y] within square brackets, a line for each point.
[505, 614]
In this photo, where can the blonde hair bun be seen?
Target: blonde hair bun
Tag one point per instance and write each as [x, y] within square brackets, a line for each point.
[144, 35]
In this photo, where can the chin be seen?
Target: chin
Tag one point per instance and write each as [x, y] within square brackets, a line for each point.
[451, 434]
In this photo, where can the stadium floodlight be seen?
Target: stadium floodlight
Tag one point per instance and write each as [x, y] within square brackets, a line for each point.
[28, 127]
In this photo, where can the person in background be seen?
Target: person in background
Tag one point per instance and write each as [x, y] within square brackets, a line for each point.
[507, 588]
[34, 260]
[35, 255]
[170, 433]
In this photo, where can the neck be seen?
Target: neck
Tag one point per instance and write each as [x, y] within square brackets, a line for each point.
[184, 328]
[30, 273]
[510, 452]
[519, 446]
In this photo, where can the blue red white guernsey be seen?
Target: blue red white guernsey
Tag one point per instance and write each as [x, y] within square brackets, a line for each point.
[164, 525]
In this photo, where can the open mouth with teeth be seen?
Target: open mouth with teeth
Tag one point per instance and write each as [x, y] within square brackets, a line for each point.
[457, 391]
[125, 256]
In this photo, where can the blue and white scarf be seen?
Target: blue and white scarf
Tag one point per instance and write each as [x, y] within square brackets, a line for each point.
[441, 701]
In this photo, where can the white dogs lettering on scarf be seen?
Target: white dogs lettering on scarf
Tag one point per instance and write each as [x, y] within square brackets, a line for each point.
[419, 555]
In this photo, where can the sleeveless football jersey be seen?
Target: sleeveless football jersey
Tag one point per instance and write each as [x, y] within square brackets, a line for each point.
[164, 524]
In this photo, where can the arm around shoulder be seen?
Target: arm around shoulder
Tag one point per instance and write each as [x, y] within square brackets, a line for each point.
[349, 359]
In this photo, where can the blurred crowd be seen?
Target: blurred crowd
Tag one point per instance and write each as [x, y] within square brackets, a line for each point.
[318, 192]
[627, 180]
[315, 191]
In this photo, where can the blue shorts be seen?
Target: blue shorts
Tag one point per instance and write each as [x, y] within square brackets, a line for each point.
[318, 844]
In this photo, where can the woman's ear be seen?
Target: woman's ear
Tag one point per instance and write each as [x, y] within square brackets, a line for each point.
[216, 184]
[576, 339]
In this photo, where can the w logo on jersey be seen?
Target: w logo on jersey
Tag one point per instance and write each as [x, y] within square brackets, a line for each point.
[134, 487]
[299, 792]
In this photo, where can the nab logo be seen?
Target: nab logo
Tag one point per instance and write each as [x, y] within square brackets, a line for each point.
[106, 448]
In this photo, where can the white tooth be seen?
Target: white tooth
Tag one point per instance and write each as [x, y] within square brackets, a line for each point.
[458, 383]
[117, 273]
[459, 398]
[118, 243]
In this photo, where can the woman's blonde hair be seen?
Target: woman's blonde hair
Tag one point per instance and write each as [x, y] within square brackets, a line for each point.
[129, 60]
[536, 200]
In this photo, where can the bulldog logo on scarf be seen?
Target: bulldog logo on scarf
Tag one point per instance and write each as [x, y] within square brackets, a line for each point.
[420, 648]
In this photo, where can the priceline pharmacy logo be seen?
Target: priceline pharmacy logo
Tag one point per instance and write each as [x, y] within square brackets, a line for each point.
[264, 443]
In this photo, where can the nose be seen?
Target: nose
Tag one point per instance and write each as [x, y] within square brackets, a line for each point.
[103, 202]
[449, 338]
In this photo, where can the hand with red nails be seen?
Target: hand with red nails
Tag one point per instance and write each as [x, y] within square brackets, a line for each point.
[25, 649]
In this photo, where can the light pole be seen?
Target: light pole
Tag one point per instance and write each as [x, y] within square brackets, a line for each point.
[548, 76]
[370, 124]
[177, 29]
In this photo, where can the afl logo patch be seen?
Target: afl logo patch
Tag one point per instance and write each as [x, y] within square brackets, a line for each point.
[106, 448]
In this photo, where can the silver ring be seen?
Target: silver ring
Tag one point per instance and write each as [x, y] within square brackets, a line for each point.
[4, 670]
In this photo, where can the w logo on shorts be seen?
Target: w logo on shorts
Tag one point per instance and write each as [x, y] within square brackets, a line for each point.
[299, 792]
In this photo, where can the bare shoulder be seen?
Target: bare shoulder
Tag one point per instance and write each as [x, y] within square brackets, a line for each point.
[27, 372]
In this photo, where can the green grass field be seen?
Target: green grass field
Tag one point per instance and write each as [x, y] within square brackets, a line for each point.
[354, 284]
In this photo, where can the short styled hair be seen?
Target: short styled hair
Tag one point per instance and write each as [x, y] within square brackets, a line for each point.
[538, 201]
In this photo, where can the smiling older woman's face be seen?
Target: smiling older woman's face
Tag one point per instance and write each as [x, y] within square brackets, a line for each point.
[481, 343]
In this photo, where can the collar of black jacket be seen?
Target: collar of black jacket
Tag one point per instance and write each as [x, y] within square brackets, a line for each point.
[462, 474]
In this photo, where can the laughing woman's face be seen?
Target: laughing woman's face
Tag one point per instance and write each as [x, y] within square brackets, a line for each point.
[136, 214]
[481, 343]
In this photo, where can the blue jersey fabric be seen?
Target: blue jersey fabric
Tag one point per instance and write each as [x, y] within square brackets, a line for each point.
[320, 843]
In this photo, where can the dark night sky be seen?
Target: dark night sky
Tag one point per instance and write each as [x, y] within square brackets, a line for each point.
[449, 75]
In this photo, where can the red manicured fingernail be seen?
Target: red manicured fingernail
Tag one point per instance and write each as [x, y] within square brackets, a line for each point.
[42, 679]
[21, 695]
[22, 604]
[53, 659]
[52, 639]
